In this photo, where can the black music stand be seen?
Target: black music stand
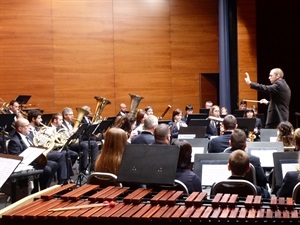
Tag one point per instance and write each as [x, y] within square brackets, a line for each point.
[246, 124]
[6, 121]
[46, 118]
[195, 116]
[23, 99]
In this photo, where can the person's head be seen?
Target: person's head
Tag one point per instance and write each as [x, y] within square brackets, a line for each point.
[149, 110]
[150, 123]
[208, 104]
[14, 106]
[112, 151]
[88, 109]
[176, 115]
[185, 153]
[34, 116]
[275, 74]
[68, 114]
[56, 120]
[127, 123]
[214, 111]
[229, 122]
[243, 105]
[189, 109]
[140, 117]
[162, 133]
[224, 111]
[285, 133]
[22, 126]
[297, 138]
[123, 108]
[238, 139]
[249, 113]
[239, 163]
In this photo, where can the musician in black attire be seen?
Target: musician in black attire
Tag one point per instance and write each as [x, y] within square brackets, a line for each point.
[162, 135]
[19, 142]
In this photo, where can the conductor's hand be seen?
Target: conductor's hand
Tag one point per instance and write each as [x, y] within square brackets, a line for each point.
[247, 78]
[263, 101]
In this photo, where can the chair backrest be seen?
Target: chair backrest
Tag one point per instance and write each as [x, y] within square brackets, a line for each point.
[178, 185]
[103, 179]
[181, 186]
[296, 194]
[240, 187]
[251, 175]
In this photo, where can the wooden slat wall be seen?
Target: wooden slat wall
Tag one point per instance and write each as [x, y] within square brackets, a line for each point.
[64, 53]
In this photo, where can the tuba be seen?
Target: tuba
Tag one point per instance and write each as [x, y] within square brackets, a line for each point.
[135, 101]
[101, 103]
[80, 114]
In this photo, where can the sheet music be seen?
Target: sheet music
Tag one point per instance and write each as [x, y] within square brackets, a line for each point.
[265, 156]
[273, 139]
[30, 154]
[286, 167]
[196, 150]
[7, 166]
[186, 136]
[212, 173]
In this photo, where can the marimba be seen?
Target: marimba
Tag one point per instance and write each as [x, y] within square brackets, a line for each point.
[141, 206]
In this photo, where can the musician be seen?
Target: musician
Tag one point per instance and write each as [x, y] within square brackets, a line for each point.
[149, 110]
[123, 110]
[285, 131]
[237, 141]
[188, 110]
[20, 141]
[239, 165]
[208, 104]
[111, 155]
[219, 144]
[213, 128]
[243, 105]
[176, 122]
[147, 135]
[84, 146]
[162, 134]
[184, 172]
[87, 118]
[249, 113]
[60, 157]
[280, 96]
[224, 111]
[291, 178]
[139, 123]
[127, 123]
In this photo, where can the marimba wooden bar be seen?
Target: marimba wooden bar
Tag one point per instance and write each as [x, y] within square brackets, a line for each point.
[141, 206]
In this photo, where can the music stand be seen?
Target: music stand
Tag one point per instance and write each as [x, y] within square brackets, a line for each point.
[23, 99]
[204, 110]
[46, 118]
[239, 113]
[246, 124]
[199, 122]
[195, 116]
[198, 131]
[100, 127]
[164, 121]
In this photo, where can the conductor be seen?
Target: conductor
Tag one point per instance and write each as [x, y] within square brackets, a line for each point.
[280, 96]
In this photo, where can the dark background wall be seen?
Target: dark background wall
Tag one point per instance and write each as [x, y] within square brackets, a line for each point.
[278, 45]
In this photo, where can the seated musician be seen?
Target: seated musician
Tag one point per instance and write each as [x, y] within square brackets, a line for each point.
[291, 178]
[112, 151]
[85, 147]
[20, 141]
[188, 110]
[184, 172]
[219, 144]
[162, 135]
[139, 123]
[123, 110]
[249, 113]
[285, 133]
[213, 128]
[176, 123]
[239, 165]
[127, 123]
[147, 135]
[237, 141]
[149, 110]
[64, 170]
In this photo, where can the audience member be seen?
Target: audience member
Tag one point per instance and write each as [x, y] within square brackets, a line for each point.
[219, 144]
[184, 173]
[237, 141]
[291, 178]
[162, 134]
[147, 135]
[285, 132]
[239, 165]
[112, 151]
[176, 122]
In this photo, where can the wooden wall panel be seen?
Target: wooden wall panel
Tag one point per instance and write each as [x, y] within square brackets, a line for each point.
[65, 52]
[247, 48]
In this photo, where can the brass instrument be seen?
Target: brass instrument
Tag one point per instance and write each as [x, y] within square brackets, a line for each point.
[4, 106]
[251, 136]
[135, 101]
[165, 112]
[101, 103]
[80, 114]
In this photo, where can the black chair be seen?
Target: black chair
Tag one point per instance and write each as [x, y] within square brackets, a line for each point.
[103, 179]
[240, 187]
[296, 194]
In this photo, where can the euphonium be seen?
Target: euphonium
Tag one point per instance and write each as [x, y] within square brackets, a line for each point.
[135, 101]
[101, 103]
[80, 114]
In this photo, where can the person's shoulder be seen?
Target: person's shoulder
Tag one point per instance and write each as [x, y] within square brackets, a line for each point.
[292, 174]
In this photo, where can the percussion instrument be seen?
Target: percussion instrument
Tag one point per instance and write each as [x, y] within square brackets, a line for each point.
[142, 206]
